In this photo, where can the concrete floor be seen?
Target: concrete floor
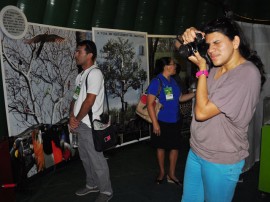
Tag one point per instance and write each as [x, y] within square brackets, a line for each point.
[133, 170]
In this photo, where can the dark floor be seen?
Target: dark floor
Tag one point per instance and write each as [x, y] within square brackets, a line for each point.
[133, 170]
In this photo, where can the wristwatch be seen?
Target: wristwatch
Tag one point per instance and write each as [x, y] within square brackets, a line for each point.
[202, 72]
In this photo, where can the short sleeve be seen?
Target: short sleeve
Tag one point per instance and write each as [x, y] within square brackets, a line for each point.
[153, 87]
[238, 96]
[95, 81]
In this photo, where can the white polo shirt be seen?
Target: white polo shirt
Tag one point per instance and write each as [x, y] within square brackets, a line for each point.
[95, 82]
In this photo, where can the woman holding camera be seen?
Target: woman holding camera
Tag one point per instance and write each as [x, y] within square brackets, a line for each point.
[226, 100]
[166, 127]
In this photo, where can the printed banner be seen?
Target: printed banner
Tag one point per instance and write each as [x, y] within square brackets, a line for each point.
[38, 75]
[123, 57]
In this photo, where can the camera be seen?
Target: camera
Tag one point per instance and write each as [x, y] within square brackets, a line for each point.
[197, 45]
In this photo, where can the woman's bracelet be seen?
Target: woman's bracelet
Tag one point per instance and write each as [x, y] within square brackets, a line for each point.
[202, 72]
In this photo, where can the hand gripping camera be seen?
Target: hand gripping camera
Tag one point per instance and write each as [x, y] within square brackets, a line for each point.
[197, 45]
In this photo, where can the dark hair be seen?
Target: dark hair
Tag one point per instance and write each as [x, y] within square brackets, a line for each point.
[90, 47]
[161, 63]
[231, 29]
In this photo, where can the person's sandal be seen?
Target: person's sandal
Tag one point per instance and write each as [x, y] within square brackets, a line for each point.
[159, 181]
[170, 180]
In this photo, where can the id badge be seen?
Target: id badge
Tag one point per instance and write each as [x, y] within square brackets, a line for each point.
[168, 93]
[76, 93]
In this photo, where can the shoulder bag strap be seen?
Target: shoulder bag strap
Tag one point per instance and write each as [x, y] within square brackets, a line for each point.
[90, 113]
[159, 88]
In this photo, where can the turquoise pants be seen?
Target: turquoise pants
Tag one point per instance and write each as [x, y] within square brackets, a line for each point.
[209, 182]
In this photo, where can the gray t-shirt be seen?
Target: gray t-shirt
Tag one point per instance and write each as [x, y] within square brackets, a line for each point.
[223, 138]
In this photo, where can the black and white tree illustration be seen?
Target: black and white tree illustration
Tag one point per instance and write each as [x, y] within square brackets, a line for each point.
[39, 72]
[122, 68]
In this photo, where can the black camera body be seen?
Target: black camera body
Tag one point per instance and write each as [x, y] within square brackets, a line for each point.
[197, 45]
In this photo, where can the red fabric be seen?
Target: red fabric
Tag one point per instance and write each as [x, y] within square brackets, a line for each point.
[66, 154]
[57, 153]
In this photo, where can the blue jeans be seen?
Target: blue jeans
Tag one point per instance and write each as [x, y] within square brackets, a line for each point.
[210, 182]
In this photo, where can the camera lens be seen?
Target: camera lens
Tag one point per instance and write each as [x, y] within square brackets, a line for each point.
[185, 50]
[188, 49]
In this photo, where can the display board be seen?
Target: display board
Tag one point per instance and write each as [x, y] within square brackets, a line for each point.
[123, 58]
[38, 73]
